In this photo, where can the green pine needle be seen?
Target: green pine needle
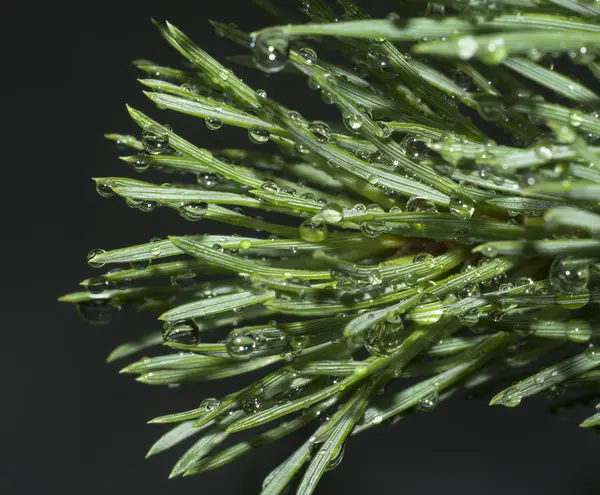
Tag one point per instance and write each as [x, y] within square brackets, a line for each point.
[443, 227]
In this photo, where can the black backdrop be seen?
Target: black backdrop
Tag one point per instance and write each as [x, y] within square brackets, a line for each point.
[72, 424]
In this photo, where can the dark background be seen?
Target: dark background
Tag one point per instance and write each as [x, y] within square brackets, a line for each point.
[70, 423]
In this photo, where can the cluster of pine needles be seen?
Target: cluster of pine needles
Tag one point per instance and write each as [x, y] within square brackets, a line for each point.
[398, 244]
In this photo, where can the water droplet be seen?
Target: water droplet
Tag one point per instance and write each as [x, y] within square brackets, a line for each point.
[311, 231]
[210, 404]
[181, 332]
[582, 55]
[426, 258]
[104, 189]
[512, 399]
[97, 285]
[301, 148]
[258, 135]
[573, 301]
[469, 318]
[429, 311]
[576, 118]
[261, 94]
[270, 51]
[353, 122]
[155, 250]
[208, 179]
[495, 52]
[245, 244]
[385, 130]
[321, 130]
[384, 338]
[461, 208]
[569, 275]
[593, 352]
[578, 331]
[414, 148]
[298, 343]
[373, 228]
[252, 405]
[155, 140]
[240, 344]
[141, 163]
[193, 211]
[304, 6]
[331, 213]
[375, 277]
[96, 312]
[467, 47]
[470, 290]
[543, 152]
[429, 403]
[417, 204]
[213, 124]
[309, 55]
[315, 448]
[92, 254]
[269, 185]
[147, 206]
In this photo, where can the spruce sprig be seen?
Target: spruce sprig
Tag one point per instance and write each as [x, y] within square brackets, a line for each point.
[400, 241]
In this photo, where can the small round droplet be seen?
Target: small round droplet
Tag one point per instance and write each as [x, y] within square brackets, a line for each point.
[301, 148]
[543, 152]
[353, 122]
[309, 55]
[310, 231]
[426, 258]
[240, 344]
[429, 403]
[593, 352]
[315, 448]
[252, 405]
[495, 52]
[193, 211]
[97, 285]
[321, 130]
[298, 343]
[417, 204]
[270, 51]
[429, 311]
[569, 275]
[210, 404]
[269, 185]
[155, 140]
[578, 331]
[258, 135]
[414, 148]
[461, 208]
[469, 318]
[384, 338]
[182, 332]
[373, 228]
[155, 250]
[213, 124]
[96, 312]
[304, 6]
[104, 190]
[141, 163]
[576, 118]
[331, 213]
[147, 206]
[92, 254]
